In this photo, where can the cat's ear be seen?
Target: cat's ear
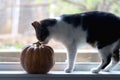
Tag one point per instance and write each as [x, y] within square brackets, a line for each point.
[35, 24]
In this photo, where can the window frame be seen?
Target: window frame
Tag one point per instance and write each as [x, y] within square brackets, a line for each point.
[59, 66]
[14, 70]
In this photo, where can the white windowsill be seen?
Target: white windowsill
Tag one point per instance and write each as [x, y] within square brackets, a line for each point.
[10, 71]
[14, 71]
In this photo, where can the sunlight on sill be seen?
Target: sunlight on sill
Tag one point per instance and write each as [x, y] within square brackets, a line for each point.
[56, 74]
[56, 51]
[62, 73]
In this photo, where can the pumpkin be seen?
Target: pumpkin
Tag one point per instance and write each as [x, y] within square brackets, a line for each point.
[37, 58]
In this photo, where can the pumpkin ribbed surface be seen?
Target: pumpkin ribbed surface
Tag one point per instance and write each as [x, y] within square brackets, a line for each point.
[37, 58]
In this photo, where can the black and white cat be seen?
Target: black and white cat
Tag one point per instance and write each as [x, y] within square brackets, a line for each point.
[99, 29]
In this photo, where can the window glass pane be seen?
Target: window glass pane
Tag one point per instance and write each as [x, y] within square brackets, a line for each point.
[16, 17]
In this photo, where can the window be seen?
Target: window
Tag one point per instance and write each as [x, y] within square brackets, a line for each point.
[16, 31]
[17, 16]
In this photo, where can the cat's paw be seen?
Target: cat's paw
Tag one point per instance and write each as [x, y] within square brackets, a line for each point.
[68, 70]
[95, 70]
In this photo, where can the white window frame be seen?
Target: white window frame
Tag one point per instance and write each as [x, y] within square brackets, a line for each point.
[13, 70]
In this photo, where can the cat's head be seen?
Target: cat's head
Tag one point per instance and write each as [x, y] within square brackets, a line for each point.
[42, 29]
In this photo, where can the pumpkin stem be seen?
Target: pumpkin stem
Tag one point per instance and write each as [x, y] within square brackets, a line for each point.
[37, 44]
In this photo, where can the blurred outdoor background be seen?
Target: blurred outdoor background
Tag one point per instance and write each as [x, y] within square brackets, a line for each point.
[16, 17]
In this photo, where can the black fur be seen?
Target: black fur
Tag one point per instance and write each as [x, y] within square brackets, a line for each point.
[42, 31]
[116, 55]
[106, 62]
[102, 28]
[72, 19]
[48, 22]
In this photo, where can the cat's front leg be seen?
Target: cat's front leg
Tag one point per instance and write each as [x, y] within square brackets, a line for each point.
[71, 55]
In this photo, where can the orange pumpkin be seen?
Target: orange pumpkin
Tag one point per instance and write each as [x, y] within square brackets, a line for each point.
[37, 58]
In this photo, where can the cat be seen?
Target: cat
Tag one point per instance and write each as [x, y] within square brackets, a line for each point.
[99, 29]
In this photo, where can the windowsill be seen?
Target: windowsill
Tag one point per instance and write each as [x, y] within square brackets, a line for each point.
[13, 70]
[62, 73]
[59, 75]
